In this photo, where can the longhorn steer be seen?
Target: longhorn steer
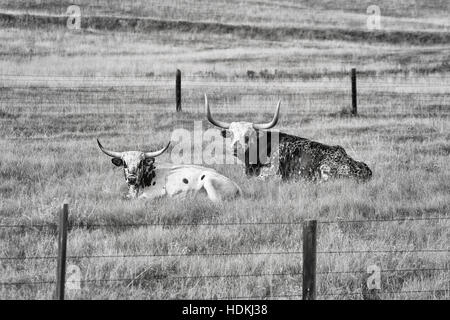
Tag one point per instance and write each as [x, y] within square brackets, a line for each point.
[271, 153]
[145, 179]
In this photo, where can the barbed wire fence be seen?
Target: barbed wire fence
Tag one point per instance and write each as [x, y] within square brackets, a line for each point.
[308, 256]
[369, 96]
[85, 95]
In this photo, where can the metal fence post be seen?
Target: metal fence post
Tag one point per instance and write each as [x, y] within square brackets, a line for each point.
[354, 93]
[62, 246]
[178, 90]
[309, 259]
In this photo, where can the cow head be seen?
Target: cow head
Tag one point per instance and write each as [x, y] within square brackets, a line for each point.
[245, 136]
[135, 164]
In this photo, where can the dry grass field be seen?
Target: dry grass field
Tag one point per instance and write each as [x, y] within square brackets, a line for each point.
[62, 89]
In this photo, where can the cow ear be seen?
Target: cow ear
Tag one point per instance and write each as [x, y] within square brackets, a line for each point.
[149, 161]
[117, 162]
[223, 133]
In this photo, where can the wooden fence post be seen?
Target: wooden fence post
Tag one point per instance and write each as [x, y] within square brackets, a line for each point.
[178, 90]
[62, 246]
[354, 93]
[309, 259]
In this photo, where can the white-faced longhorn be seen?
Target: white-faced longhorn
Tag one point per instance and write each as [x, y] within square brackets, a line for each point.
[267, 152]
[146, 179]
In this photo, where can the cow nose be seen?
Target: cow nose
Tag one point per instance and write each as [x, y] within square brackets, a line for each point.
[131, 180]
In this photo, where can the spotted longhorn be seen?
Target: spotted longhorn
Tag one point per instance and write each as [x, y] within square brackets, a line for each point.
[267, 153]
[146, 179]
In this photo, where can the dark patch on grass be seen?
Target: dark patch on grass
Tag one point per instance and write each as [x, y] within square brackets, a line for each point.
[405, 71]
[439, 149]
[408, 212]
[435, 108]
[443, 67]
[145, 278]
[345, 112]
[7, 115]
[6, 191]
[409, 138]
[444, 149]
[364, 210]
[324, 211]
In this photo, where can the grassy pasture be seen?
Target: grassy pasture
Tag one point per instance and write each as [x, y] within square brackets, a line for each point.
[60, 90]
[396, 15]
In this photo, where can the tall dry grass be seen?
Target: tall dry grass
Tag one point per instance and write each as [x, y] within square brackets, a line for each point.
[42, 170]
[49, 156]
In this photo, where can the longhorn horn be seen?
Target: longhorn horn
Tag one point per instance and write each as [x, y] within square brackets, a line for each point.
[154, 154]
[271, 123]
[217, 123]
[110, 153]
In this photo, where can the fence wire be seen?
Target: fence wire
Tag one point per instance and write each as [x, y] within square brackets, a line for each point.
[384, 292]
[217, 224]
[322, 273]
[109, 95]
[212, 276]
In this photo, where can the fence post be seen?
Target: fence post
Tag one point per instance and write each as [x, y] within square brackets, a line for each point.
[62, 246]
[309, 259]
[178, 90]
[354, 93]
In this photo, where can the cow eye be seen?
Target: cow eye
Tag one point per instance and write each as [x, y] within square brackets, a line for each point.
[125, 165]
